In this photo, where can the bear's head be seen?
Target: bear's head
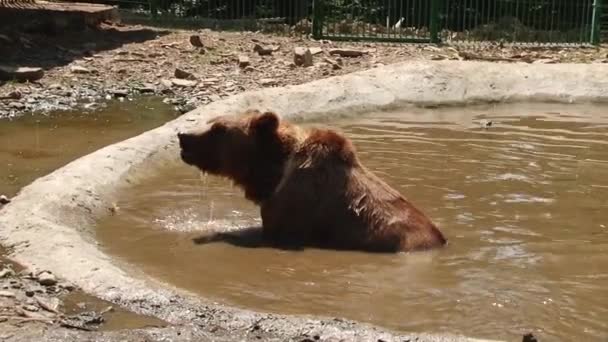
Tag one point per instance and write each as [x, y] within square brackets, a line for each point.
[250, 149]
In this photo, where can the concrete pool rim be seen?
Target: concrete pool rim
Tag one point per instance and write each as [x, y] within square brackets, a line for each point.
[50, 223]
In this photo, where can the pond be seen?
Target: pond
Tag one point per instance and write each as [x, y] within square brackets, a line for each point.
[523, 201]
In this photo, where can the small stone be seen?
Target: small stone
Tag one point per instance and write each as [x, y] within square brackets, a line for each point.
[14, 95]
[30, 293]
[55, 86]
[302, 57]
[263, 50]
[120, 92]
[17, 105]
[48, 304]
[76, 69]
[196, 41]
[4, 200]
[21, 74]
[347, 52]
[182, 74]
[249, 68]
[47, 278]
[182, 83]
[166, 83]
[146, 88]
[335, 65]
[244, 61]
[268, 82]
[6, 272]
[7, 294]
[315, 50]
[30, 308]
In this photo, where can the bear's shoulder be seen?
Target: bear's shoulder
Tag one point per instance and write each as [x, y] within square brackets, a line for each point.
[328, 144]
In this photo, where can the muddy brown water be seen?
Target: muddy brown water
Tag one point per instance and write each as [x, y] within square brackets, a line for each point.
[524, 204]
[35, 145]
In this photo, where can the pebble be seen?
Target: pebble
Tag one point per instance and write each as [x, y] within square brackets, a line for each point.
[47, 279]
[4, 200]
[6, 272]
[302, 57]
[244, 61]
[7, 294]
[76, 69]
[31, 308]
[16, 105]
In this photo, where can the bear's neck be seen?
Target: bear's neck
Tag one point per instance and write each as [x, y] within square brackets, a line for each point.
[267, 170]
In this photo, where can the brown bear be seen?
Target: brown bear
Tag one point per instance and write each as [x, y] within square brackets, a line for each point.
[311, 187]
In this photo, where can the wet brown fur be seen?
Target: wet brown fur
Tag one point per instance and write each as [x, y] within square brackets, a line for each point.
[310, 185]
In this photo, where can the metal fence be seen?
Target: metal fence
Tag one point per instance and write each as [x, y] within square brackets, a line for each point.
[521, 21]
[517, 21]
[269, 15]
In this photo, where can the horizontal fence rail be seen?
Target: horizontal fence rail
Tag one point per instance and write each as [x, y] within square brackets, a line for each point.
[513, 21]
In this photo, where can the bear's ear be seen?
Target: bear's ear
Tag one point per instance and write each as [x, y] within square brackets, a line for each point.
[265, 124]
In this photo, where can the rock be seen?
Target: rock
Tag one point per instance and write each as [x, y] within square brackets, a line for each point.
[347, 52]
[315, 50]
[55, 86]
[182, 83]
[120, 93]
[13, 95]
[48, 304]
[302, 57]
[47, 278]
[17, 105]
[196, 41]
[30, 293]
[7, 294]
[147, 88]
[4, 199]
[21, 74]
[244, 61]
[166, 83]
[67, 286]
[268, 82]
[249, 68]
[182, 74]
[76, 69]
[263, 50]
[30, 308]
[6, 272]
[529, 338]
[334, 65]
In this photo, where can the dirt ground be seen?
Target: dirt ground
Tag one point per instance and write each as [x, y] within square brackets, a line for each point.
[192, 68]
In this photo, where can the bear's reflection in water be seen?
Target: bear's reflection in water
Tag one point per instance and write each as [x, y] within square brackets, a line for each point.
[524, 203]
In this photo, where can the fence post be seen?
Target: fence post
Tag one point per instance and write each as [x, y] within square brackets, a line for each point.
[596, 22]
[153, 8]
[317, 18]
[434, 21]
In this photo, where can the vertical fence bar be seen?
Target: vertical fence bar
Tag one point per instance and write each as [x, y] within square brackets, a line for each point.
[434, 22]
[317, 18]
[153, 8]
[595, 22]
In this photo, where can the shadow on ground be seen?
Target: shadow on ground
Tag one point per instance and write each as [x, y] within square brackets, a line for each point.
[50, 49]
